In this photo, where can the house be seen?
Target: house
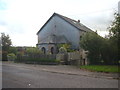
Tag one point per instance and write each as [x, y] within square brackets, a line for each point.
[60, 30]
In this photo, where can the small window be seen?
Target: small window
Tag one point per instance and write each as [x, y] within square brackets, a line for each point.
[52, 50]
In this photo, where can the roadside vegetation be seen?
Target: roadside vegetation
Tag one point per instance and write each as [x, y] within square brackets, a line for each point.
[102, 68]
[103, 51]
[34, 55]
[6, 44]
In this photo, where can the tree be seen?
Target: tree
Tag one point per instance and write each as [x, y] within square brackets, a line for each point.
[114, 29]
[114, 37]
[12, 49]
[6, 43]
[92, 42]
[107, 52]
[103, 49]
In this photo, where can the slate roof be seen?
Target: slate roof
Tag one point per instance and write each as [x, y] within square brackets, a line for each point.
[74, 23]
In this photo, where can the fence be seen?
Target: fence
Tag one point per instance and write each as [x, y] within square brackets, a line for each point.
[39, 59]
[72, 58]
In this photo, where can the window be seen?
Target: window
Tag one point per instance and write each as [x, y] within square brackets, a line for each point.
[52, 50]
[43, 50]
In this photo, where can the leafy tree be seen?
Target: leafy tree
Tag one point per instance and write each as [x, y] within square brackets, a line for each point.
[6, 43]
[12, 50]
[92, 42]
[114, 37]
[115, 27]
[107, 52]
[103, 49]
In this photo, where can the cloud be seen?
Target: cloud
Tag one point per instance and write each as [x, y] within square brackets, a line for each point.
[3, 5]
[23, 18]
[100, 20]
[3, 29]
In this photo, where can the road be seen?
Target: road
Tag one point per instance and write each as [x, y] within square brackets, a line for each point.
[14, 76]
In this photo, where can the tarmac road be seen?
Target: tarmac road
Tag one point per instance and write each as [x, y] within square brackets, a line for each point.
[17, 76]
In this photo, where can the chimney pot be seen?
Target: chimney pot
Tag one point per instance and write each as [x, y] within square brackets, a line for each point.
[78, 21]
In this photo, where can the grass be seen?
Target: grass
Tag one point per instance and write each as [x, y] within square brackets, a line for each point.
[101, 68]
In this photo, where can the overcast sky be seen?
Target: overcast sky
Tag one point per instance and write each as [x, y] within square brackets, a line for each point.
[22, 19]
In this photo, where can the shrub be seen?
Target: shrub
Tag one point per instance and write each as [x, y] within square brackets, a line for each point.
[70, 50]
[33, 50]
[62, 50]
[66, 46]
[11, 56]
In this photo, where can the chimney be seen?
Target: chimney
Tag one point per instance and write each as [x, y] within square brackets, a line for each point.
[78, 21]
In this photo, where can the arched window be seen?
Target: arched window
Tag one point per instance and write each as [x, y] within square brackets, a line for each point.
[43, 50]
[52, 50]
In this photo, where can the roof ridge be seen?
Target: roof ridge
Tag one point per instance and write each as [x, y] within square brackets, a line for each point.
[65, 17]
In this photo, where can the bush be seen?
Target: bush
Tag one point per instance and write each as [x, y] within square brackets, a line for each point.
[65, 46]
[11, 57]
[12, 50]
[70, 50]
[92, 42]
[62, 50]
[33, 50]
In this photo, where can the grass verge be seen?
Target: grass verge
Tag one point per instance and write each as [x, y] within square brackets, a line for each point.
[102, 68]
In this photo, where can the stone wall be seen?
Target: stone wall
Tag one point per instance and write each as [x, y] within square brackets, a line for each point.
[73, 58]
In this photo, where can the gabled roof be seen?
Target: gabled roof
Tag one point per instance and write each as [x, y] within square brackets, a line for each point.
[74, 23]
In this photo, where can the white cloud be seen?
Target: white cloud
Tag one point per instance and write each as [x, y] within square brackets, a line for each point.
[3, 29]
[23, 18]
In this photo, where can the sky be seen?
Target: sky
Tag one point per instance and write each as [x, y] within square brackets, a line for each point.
[22, 19]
